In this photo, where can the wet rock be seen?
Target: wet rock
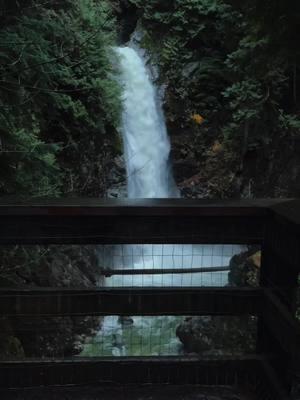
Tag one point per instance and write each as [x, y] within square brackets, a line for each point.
[116, 179]
[126, 321]
[54, 266]
[183, 169]
[127, 17]
[117, 340]
[53, 337]
[10, 345]
[245, 268]
[78, 347]
[118, 191]
[217, 335]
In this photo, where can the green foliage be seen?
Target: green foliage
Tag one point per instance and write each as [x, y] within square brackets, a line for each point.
[233, 63]
[59, 102]
[289, 123]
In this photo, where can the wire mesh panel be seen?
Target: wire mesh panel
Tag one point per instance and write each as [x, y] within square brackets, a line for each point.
[136, 265]
[117, 336]
[172, 335]
[126, 266]
[135, 336]
[167, 265]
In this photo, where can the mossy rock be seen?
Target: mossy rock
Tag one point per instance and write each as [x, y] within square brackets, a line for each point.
[245, 268]
[219, 335]
[10, 347]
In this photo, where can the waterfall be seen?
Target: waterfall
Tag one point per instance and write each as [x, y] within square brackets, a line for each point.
[146, 143]
[149, 175]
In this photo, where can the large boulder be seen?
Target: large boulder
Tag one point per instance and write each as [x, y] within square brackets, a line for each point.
[54, 337]
[245, 268]
[48, 266]
[217, 335]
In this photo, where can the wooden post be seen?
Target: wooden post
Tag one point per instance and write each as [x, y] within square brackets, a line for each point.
[279, 275]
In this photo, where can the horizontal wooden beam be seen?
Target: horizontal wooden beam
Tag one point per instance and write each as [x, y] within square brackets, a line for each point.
[131, 301]
[134, 221]
[283, 326]
[269, 384]
[144, 207]
[126, 371]
[135, 229]
[250, 372]
[120, 392]
[288, 214]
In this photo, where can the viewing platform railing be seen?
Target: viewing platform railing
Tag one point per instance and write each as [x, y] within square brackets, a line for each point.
[272, 224]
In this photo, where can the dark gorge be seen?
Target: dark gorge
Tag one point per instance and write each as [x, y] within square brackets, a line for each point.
[165, 122]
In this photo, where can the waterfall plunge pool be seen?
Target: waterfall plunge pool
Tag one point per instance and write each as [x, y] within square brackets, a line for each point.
[152, 336]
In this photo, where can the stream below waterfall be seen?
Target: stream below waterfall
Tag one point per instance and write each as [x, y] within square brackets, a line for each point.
[149, 175]
[150, 336]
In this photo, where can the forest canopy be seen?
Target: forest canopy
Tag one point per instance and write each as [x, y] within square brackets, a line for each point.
[59, 104]
[231, 72]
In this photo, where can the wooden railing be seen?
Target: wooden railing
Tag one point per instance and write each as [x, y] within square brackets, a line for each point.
[273, 224]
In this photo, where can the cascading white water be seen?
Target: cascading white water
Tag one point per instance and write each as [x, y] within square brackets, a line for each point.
[149, 175]
[146, 143]
[146, 151]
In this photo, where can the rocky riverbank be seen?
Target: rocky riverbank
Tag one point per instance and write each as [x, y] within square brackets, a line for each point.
[225, 335]
[218, 336]
[51, 266]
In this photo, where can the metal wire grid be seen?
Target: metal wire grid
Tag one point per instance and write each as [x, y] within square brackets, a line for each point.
[135, 336]
[114, 336]
[129, 266]
[124, 265]
[157, 265]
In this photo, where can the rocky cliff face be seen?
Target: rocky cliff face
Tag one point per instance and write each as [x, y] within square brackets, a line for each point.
[51, 266]
[206, 166]
[215, 152]
[127, 16]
